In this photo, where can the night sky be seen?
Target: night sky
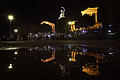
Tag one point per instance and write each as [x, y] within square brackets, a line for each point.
[31, 12]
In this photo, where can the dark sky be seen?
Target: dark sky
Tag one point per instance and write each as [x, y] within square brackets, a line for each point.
[29, 12]
[37, 10]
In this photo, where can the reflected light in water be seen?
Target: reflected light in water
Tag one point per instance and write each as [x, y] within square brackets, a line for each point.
[49, 59]
[110, 53]
[9, 48]
[70, 59]
[16, 53]
[91, 69]
[10, 66]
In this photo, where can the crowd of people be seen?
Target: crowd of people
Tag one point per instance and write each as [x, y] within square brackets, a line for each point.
[77, 35]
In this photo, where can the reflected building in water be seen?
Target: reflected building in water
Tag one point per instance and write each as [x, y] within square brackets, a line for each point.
[62, 60]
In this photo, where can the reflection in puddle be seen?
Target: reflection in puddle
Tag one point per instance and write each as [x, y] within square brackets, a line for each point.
[16, 53]
[9, 48]
[65, 61]
[51, 58]
[10, 66]
[91, 69]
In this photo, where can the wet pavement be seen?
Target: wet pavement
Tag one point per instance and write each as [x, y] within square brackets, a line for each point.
[60, 62]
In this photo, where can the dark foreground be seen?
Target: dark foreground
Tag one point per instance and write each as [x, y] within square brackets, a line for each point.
[59, 62]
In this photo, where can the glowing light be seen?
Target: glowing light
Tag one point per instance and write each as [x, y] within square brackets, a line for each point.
[10, 66]
[69, 35]
[109, 31]
[71, 22]
[15, 30]
[49, 36]
[11, 48]
[30, 49]
[110, 53]
[70, 59]
[16, 53]
[84, 50]
[52, 25]
[110, 25]
[36, 35]
[10, 17]
[90, 11]
[14, 58]
[84, 31]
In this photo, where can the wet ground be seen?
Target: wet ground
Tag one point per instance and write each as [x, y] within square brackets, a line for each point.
[60, 62]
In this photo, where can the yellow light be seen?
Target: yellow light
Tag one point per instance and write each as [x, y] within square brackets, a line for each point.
[49, 23]
[10, 66]
[15, 30]
[90, 12]
[71, 22]
[10, 17]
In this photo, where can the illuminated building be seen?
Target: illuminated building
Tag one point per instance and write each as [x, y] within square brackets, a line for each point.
[90, 12]
[51, 24]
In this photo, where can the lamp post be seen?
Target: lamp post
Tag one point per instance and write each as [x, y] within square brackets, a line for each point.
[10, 17]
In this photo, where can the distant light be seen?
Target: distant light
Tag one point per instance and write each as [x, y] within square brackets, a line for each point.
[14, 58]
[109, 31]
[70, 59]
[16, 53]
[110, 53]
[10, 66]
[36, 48]
[110, 25]
[95, 30]
[53, 48]
[71, 22]
[49, 36]
[36, 35]
[30, 49]
[69, 35]
[49, 47]
[15, 30]
[84, 50]
[10, 17]
[84, 31]
[52, 34]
